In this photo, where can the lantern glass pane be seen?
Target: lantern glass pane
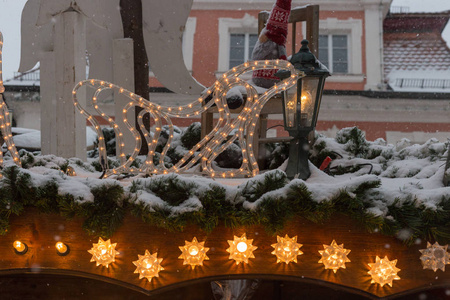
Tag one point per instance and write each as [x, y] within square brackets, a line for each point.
[290, 106]
[308, 99]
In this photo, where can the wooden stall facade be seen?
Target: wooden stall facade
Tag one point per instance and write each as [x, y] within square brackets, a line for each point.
[41, 231]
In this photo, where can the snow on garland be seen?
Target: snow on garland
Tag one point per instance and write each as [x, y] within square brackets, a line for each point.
[403, 196]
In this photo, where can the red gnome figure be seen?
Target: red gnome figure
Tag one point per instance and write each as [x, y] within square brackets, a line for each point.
[271, 43]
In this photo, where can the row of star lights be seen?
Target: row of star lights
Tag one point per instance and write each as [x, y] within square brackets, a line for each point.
[334, 256]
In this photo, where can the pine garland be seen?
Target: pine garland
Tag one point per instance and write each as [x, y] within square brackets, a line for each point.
[269, 200]
[105, 214]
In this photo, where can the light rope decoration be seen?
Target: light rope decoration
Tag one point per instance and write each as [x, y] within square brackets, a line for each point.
[5, 124]
[211, 145]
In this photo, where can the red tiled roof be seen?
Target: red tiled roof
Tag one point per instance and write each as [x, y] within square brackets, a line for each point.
[421, 53]
[416, 22]
[415, 48]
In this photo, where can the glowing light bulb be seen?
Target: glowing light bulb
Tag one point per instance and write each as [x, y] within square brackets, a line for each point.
[287, 249]
[193, 250]
[290, 105]
[61, 248]
[193, 253]
[71, 171]
[383, 271]
[307, 107]
[241, 249]
[20, 247]
[103, 253]
[334, 256]
[306, 99]
[148, 266]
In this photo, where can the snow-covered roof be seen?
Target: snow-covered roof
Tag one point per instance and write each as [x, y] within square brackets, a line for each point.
[416, 58]
[30, 139]
[30, 78]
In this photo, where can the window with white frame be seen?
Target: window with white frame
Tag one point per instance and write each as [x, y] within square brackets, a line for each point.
[343, 53]
[237, 38]
[333, 52]
[241, 47]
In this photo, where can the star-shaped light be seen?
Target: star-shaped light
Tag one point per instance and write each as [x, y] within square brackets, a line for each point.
[435, 257]
[287, 249]
[334, 256]
[103, 253]
[148, 266]
[193, 253]
[241, 249]
[384, 271]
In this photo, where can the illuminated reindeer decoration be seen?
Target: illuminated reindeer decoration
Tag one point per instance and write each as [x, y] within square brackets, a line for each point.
[5, 123]
[226, 131]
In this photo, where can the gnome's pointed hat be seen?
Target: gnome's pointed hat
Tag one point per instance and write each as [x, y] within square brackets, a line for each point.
[277, 26]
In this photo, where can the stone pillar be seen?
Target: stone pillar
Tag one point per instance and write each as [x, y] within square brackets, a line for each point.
[48, 103]
[373, 24]
[68, 124]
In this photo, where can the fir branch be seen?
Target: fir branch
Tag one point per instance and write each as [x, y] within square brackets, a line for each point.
[215, 207]
[255, 189]
[274, 213]
[301, 202]
[68, 207]
[47, 198]
[191, 136]
[171, 189]
[16, 190]
[354, 140]
[105, 214]
[4, 224]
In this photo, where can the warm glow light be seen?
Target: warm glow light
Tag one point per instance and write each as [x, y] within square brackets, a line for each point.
[193, 250]
[5, 124]
[61, 248]
[208, 148]
[306, 100]
[290, 105]
[20, 247]
[71, 171]
[383, 271]
[241, 249]
[286, 249]
[435, 257]
[103, 253]
[334, 256]
[148, 266]
[193, 253]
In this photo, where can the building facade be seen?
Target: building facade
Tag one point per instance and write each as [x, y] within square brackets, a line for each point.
[221, 34]
[380, 64]
[355, 44]
[416, 58]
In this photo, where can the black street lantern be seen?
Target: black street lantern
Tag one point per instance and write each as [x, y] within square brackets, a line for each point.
[301, 105]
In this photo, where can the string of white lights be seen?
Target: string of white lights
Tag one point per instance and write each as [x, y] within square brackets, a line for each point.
[226, 131]
[5, 122]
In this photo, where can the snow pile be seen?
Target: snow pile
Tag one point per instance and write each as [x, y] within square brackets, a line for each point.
[407, 172]
[173, 193]
[31, 139]
[370, 178]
